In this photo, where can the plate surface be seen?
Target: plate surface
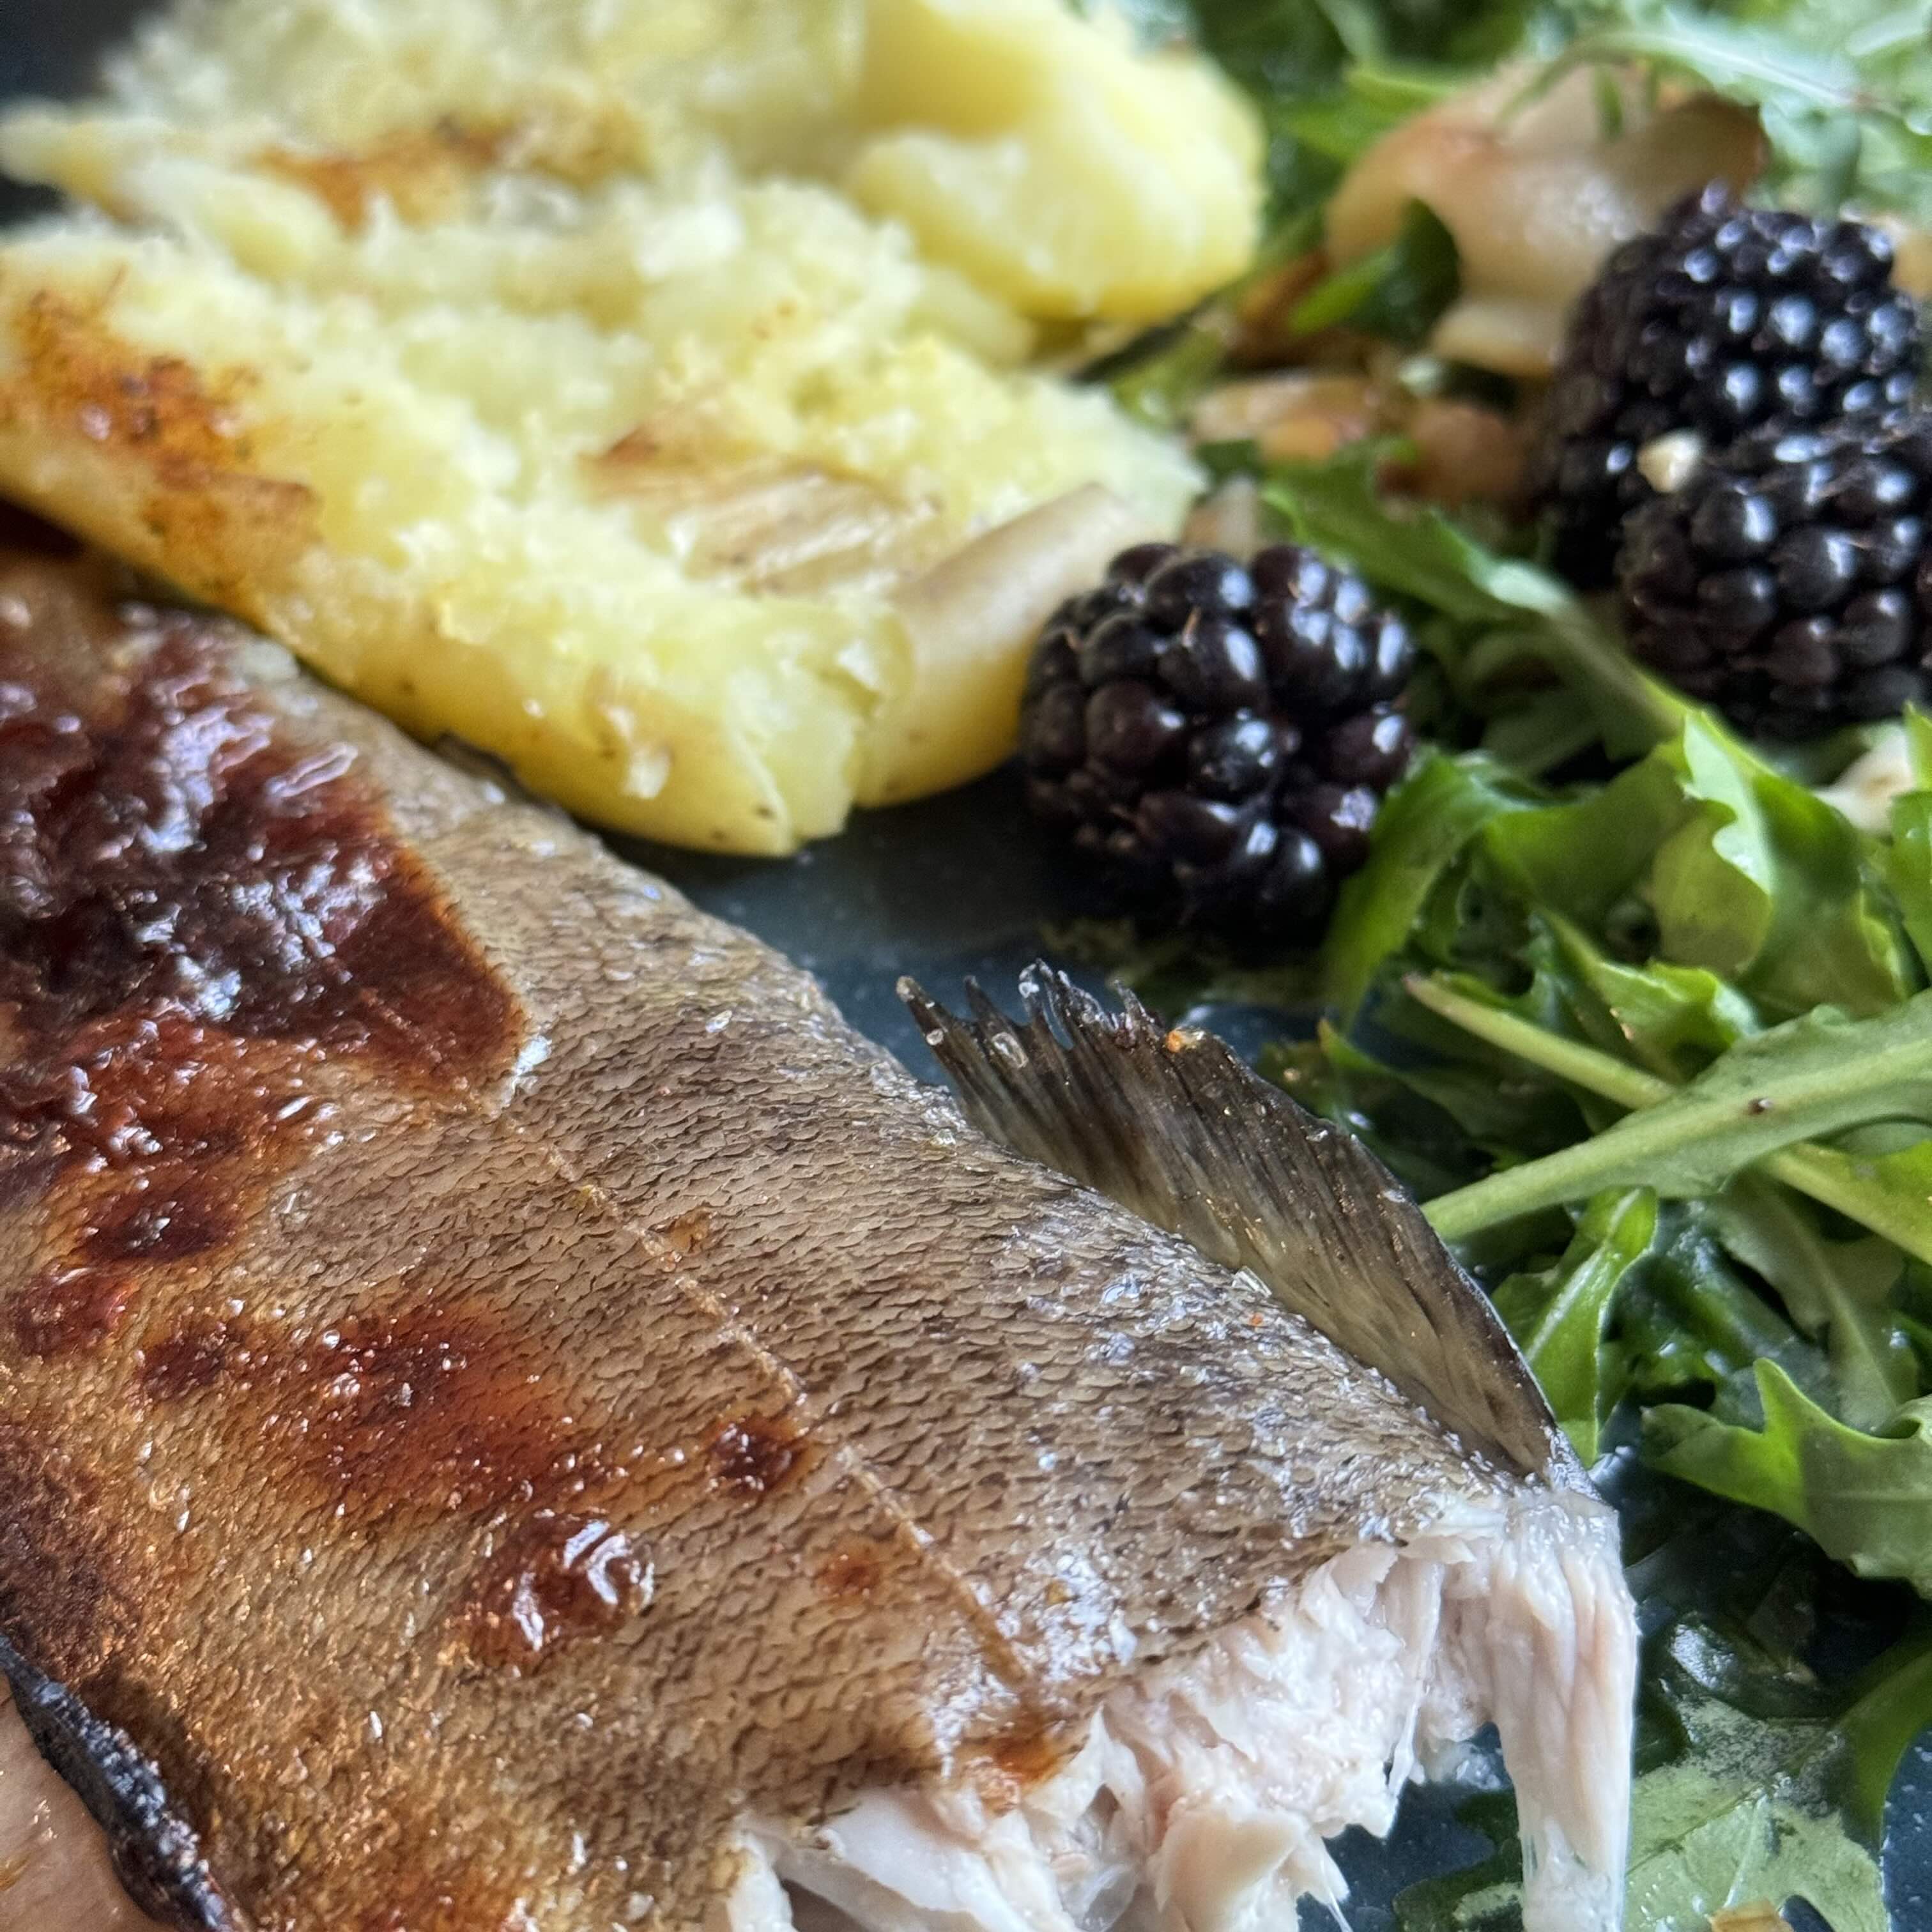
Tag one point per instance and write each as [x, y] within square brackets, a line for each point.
[942, 890]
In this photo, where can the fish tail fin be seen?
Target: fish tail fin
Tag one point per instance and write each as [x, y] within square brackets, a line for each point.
[1174, 1127]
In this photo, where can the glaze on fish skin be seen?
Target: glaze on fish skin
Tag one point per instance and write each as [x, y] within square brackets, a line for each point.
[528, 1421]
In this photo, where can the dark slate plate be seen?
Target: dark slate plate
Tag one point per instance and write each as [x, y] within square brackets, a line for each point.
[948, 888]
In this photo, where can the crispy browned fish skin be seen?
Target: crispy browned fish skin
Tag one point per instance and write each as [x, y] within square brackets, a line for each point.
[396, 1188]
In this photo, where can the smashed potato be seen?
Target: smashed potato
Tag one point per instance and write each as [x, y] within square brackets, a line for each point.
[636, 391]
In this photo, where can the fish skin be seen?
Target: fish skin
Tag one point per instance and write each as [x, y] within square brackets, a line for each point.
[447, 1196]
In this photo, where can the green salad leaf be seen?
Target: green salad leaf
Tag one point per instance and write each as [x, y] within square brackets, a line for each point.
[1809, 1077]
[1420, 554]
[1759, 1785]
[1840, 1292]
[1840, 91]
[1689, 1322]
[1558, 1313]
[1669, 1019]
[1865, 1496]
[1750, 1806]
[1908, 868]
[1429, 821]
[1398, 292]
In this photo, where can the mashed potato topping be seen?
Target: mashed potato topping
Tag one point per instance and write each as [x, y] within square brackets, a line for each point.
[619, 384]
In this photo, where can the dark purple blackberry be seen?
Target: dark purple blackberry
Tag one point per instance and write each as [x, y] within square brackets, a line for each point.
[1725, 319]
[1788, 582]
[1217, 737]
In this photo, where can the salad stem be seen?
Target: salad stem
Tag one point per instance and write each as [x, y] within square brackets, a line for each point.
[1584, 1066]
[1825, 1177]
[1577, 643]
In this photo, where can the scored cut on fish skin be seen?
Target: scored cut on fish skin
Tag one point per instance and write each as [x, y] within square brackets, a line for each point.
[526, 1419]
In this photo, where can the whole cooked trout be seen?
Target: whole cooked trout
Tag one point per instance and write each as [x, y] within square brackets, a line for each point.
[514, 1418]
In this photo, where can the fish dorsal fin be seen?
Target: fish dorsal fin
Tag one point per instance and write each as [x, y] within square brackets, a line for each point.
[1173, 1126]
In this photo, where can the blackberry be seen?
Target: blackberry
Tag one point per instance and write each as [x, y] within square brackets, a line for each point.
[1788, 582]
[1216, 738]
[1725, 319]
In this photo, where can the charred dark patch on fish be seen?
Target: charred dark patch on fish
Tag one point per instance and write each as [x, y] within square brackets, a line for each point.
[195, 917]
[194, 913]
[161, 1226]
[426, 1406]
[69, 1312]
[555, 1579]
[196, 1354]
[1173, 1125]
[57, 1581]
[754, 1455]
[157, 1132]
[157, 1851]
[428, 1409]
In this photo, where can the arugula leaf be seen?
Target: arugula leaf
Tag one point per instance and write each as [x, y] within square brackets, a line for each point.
[1810, 1077]
[1398, 292]
[1581, 858]
[1558, 1315]
[1839, 1290]
[1539, 733]
[1673, 1020]
[1748, 876]
[1766, 884]
[1337, 507]
[1893, 1709]
[1434, 1137]
[1918, 730]
[1689, 1321]
[1427, 822]
[1908, 869]
[1749, 1809]
[1498, 1113]
[1712, 881]
[1890, 1192]
[1865, 1498]
[1838, 89]
[1761, 1786]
